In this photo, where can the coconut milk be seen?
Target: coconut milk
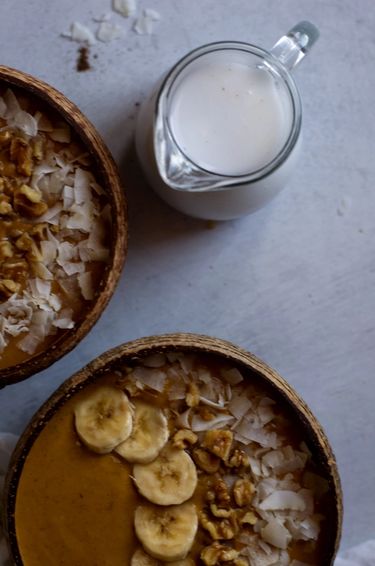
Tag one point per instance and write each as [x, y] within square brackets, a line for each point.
[230, 115]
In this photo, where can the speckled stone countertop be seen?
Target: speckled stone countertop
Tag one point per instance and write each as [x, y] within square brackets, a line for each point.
[295, 282]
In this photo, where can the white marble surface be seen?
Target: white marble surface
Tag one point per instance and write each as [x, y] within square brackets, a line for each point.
[295, 282]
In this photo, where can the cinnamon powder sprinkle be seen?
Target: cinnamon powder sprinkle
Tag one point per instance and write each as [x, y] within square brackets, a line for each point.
[83, 63]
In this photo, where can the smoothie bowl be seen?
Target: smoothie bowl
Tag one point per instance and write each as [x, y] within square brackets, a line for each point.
[62, 225]
[177, 449]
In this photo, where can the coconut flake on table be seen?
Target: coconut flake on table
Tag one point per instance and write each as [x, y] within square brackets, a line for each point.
[108, 32]
[145, 23]
[125, 7]
[80, 33]
[103, 18]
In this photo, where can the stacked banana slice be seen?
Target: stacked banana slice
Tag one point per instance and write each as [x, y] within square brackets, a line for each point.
[166, 476]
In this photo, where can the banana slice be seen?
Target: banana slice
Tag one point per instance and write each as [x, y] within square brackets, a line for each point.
[104, 419]
[140, 558]
[166, 533]
[149, 435]
[169, 480]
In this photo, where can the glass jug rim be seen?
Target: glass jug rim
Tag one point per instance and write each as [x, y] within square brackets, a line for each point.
[276, 65]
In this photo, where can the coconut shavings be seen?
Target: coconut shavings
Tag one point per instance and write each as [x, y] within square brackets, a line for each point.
[80, 33]
[48, 264]
[145, 23]
[108, 32]
[125, 7]
[242, 434]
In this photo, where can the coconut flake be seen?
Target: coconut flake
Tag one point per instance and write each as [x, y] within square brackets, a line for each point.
[65, 320]
[3, 107]
[232, 376]
[80, 33]
[282, 500]
[108, 32]
[86, 285]
[153, 378]
[183, 419]
[276, 534]
[154, 361]
[26, 123]
[125, 7]
[176, 390]
[144, 24]
[239, 405]
[61, 134]
[198, 424]
[12, 104]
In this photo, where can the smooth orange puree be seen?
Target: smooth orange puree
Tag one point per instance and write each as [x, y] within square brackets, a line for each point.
[76, 508]
[73, 507]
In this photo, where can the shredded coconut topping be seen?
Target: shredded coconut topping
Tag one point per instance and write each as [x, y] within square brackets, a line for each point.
[57, 246]
[218, 404]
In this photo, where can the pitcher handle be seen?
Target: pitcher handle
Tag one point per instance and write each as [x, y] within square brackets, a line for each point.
[292, 47]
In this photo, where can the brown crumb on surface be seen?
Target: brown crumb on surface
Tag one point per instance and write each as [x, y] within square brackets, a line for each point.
[83, 63]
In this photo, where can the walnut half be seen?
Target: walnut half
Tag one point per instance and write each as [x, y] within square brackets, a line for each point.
[219, 442]
[243, 492]
[217, 553]
[183, 438]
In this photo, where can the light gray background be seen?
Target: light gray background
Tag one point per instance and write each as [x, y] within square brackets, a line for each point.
[295, 282]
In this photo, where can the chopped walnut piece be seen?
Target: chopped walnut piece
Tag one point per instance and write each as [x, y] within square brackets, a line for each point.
[6, 250]
[8, 287]
[5, 205]
[24, 242]
[183, 438]
[206, 461]
[219, 442]
[14, 268]
[21, 154]
[40, 231]
[221, 491]
[217, 553]
[249, 518]
[28, 201]
[32, 194]
[193, 395]
[241, 562]
[239, 459]
[225, 529]
[5, 137]
[243, 492]
[220, 511]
